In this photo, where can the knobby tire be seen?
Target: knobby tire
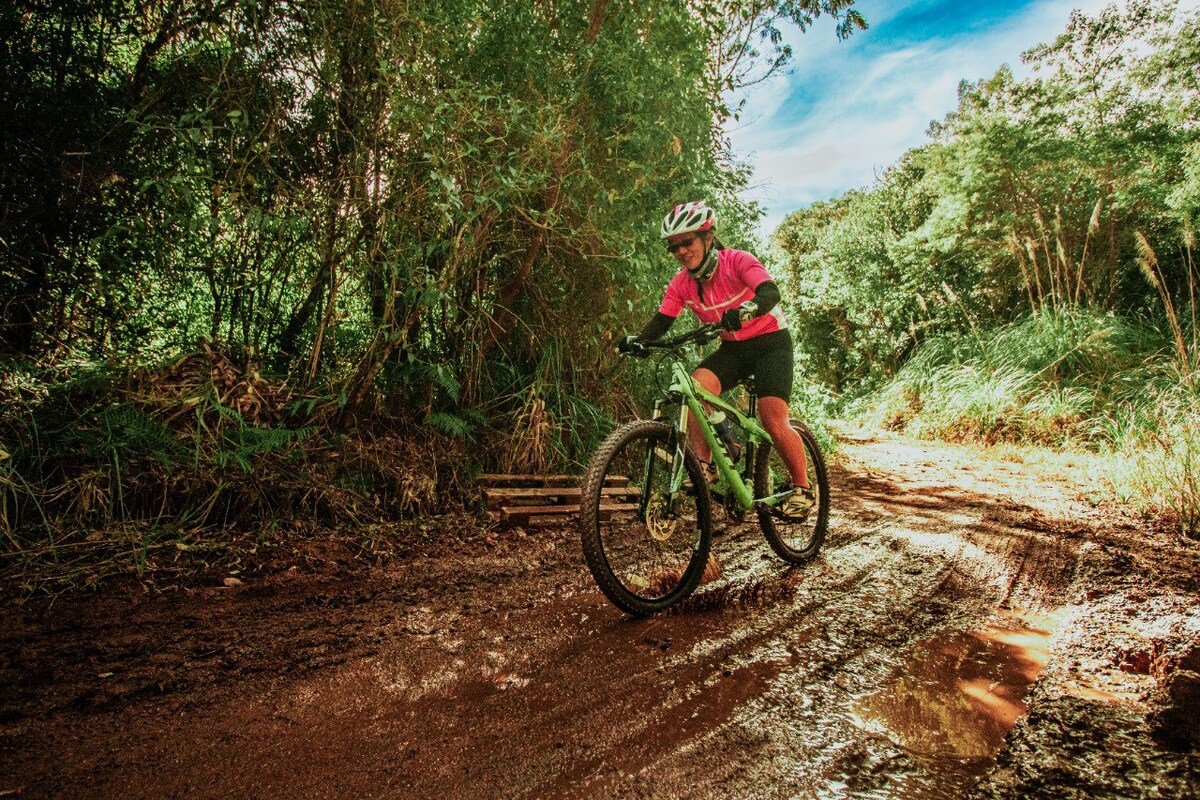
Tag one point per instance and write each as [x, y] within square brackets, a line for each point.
[644, 563]
[793, 541]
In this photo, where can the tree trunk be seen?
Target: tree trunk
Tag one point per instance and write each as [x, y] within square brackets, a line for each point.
[502, 320]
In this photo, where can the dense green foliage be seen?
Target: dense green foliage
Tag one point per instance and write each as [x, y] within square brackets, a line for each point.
[1029, 275]
[1053, 192]
[441, 213]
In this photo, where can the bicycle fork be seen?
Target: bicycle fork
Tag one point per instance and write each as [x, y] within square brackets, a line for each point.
[673, 455]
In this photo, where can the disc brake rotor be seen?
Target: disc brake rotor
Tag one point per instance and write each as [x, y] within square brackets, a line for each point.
[658, 522]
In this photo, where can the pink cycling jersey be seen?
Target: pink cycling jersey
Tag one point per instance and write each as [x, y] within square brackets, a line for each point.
[737, 275]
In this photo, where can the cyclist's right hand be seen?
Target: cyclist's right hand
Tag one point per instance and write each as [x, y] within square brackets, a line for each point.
[631, 345]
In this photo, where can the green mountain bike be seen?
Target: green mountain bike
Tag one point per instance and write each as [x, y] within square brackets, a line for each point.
[646, 509]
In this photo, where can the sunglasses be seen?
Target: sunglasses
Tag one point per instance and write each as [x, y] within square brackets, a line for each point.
[680, 245]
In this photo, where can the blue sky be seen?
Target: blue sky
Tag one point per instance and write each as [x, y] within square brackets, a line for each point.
[848, 109]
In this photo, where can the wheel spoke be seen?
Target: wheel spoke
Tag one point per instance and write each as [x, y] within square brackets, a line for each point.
[648, 559]
[795, 540]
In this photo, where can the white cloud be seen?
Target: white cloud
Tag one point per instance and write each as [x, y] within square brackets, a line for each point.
[865, 103]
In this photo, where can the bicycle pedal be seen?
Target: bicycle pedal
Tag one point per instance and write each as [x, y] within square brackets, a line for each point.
[777, 512]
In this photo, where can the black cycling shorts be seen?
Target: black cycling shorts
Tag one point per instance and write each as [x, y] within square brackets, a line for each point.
[767, 357]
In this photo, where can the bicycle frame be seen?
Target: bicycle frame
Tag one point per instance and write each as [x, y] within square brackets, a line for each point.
[639, 554]
[691, 396]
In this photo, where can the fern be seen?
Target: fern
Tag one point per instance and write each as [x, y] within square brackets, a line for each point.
[249, 443]
[128, 431]
[462, 424]
[440, 375]
[239, 442]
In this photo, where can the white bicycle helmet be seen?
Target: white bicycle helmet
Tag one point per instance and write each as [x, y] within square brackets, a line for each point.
[694, 217]
[688, 217]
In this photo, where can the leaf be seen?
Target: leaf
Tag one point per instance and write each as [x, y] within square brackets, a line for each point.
[450, 424]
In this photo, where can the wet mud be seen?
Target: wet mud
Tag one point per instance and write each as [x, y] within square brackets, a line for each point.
[973, 628]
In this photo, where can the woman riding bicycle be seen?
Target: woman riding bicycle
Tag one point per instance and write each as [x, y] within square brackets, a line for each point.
[731, 287]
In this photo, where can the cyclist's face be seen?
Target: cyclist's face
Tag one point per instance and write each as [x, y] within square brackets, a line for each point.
[688, 248]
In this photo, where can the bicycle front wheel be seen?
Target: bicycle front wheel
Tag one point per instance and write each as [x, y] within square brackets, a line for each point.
[646, 546]
[793, 540]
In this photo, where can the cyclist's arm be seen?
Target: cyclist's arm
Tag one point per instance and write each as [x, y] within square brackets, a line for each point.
[754, 275]
[656, 328]
[766, 297]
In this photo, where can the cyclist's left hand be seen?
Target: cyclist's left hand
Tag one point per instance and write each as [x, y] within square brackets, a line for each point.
[732, 319]
[631, 345]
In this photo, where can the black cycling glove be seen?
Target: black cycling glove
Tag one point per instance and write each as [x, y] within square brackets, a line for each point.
[766, 297]
[733, 318]
[631, 344]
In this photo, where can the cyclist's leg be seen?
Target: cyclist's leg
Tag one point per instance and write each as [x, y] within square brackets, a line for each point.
[774, 414]
[773, 382]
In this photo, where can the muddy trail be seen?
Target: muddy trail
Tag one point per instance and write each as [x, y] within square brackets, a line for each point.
[973, 628]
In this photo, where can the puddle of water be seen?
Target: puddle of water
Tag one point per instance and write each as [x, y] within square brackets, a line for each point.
[960, 693]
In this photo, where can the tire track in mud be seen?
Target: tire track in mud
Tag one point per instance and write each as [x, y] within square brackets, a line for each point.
[511, 676]
[755, 656]
[976, 554]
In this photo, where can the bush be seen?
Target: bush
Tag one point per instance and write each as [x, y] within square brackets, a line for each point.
[115, 463]
[1072, 378]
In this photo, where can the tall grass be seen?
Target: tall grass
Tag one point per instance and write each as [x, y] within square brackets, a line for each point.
[549, 425]
[1041, 380]
[1066, 378]
[1160, 465]
[139, 470]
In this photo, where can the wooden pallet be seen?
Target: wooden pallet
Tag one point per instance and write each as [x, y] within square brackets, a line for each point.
[522, 499]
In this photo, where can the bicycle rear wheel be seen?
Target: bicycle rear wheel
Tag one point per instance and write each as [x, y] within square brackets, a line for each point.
[793, 540]
[646, 547]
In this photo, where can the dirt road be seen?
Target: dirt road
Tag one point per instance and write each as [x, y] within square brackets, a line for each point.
[957, 593]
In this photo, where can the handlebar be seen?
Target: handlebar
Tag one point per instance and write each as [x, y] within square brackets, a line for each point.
[701, 335]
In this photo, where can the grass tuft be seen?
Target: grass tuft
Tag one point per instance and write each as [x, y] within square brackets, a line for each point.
[1065, 379]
